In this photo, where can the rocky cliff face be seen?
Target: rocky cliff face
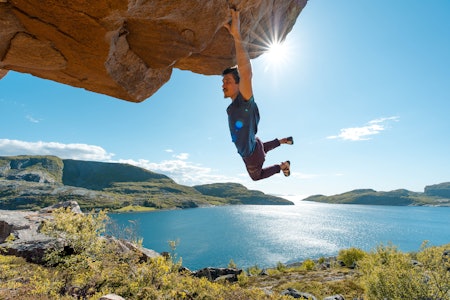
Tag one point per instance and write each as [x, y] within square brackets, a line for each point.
[45, 169]
[127, 49]
[439, 190]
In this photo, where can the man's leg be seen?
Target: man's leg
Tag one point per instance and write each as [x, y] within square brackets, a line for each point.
[276, 142]
[271, 145]
[269, 171]
[255, 162]
[257, 173]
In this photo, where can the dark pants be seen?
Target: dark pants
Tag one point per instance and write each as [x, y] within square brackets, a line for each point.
[255, 161]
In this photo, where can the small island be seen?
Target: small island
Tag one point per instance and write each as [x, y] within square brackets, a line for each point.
[433, 195]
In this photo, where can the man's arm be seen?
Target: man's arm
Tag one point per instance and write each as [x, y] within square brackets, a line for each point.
[243, 60]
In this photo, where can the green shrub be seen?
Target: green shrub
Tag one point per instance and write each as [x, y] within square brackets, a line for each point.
[308, 265]
[232, 264]
[281, 267]
[436, 267]
[242, 279]
[255, 270]
[390, 274]
[351, 256]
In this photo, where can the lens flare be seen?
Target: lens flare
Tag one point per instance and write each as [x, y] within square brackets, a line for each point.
[269, 41]
[276, 52]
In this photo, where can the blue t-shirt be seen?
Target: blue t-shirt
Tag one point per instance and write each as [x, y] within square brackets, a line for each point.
[243, 119]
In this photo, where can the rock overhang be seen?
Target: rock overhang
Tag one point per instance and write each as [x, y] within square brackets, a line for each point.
[128, 49]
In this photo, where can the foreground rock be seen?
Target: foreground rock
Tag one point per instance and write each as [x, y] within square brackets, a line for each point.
[128, 49]
[218, 274]
[112, 297]
[298, 295]
[20, 234]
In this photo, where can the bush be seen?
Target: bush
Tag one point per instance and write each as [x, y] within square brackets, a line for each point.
[308, 265]
[390, 274]
[255, 270]
[351, 256]
[281, 267]
[435, 262]
[232, 264]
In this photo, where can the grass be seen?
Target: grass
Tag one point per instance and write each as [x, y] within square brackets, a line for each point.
[22, 280]
[134, 208]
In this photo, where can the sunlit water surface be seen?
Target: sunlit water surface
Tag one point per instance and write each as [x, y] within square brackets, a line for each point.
[266, 235]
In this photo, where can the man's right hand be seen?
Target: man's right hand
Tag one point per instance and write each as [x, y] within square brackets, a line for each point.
[234, 27]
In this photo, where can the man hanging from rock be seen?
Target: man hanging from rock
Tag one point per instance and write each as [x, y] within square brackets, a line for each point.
[243, 114]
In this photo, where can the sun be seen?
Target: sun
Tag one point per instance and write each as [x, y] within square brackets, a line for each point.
[276, 52]
[276, 55]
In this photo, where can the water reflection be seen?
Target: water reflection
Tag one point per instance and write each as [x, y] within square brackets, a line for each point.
[266, 235]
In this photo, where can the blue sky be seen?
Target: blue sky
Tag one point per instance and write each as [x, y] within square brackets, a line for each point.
[363, 86]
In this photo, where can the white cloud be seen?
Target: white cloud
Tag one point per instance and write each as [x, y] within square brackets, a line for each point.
[182, 171]
[66, 151]
[303, 176]
[179, 169]
[32, 119]
[364, 132]
[182, 156]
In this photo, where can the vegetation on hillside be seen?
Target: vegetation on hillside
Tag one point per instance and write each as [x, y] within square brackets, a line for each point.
[238, 194]
[96, 175]
[90, 267]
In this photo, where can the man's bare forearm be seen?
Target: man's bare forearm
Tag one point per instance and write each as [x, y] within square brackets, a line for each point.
[242, 57]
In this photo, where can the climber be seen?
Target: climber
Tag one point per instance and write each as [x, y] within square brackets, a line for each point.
[243, 114]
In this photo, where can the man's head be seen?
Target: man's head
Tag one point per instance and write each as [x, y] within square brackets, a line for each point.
[230, 82]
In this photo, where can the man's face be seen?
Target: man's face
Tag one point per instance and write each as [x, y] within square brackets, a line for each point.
[229, 86]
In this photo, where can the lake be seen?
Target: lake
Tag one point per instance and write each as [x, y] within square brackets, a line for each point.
[265, 235]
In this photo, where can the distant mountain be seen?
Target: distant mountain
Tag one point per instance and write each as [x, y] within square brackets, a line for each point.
[434, 195]
[33, 182]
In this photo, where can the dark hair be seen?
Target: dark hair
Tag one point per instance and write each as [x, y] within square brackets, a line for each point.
[234, 71]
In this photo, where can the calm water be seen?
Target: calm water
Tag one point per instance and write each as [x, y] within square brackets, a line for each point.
[266, 235]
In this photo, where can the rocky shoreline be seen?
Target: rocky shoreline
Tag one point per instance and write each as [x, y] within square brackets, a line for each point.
[20, 236]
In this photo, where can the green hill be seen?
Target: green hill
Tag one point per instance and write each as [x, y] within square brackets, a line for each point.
[239, 194]
[435, 195]
[33, 182]
[439, 190]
